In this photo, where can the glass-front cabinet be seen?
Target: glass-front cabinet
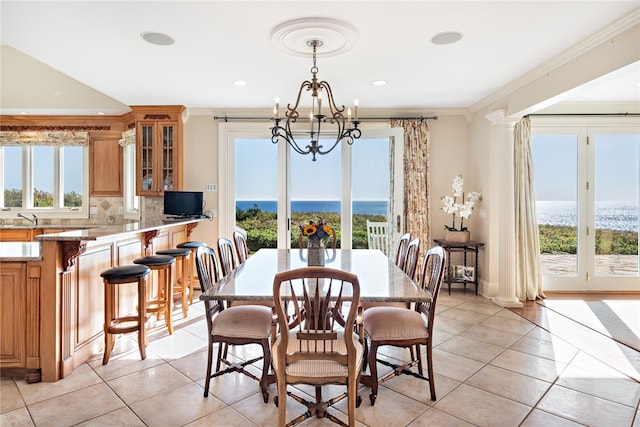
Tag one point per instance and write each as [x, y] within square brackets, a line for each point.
[159, 149]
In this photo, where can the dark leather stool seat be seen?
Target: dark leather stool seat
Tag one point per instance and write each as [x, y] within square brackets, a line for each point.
[119, 325]
[163, 302]
[193, 275]
[181, 284]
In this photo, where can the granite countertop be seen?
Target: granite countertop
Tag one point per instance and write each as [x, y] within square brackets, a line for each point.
[100, 232]
[45, 226]
[20, 251]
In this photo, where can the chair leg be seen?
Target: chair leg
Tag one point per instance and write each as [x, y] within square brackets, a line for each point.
[209, 363]
[432, 384]
[374, 372]
[220, 345]
[266, 363]
[419, 358]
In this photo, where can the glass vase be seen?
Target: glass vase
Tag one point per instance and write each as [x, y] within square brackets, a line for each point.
[315, 252]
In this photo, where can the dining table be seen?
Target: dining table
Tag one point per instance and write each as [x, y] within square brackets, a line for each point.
[381, 280]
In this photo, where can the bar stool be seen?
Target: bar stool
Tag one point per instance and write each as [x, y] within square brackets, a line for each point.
[119, 325]
[193, 276]
[182, 282]
[163, 303]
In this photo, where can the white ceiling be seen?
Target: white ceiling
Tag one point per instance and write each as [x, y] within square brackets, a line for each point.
[81, 57]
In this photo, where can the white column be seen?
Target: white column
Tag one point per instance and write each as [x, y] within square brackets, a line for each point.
[507, 264]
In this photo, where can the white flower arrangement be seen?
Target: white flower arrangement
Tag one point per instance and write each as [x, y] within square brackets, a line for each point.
[464, 209]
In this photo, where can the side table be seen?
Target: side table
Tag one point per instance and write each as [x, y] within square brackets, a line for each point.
[464, 247]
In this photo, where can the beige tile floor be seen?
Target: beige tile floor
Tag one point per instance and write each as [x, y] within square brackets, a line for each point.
[493, 368]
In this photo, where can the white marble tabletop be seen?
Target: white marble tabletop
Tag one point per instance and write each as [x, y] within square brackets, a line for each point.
[380, 279]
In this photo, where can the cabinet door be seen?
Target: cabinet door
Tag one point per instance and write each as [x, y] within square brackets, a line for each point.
[15, 235]
[106, 167]
[158, 157]
[145, 180]
[13, 314]
[166, 133]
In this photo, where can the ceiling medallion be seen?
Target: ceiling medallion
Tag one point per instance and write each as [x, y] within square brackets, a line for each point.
[332, 38]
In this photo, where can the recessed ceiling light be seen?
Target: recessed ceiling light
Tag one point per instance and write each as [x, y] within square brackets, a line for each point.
[448, 37]
[157, 38]
[100, 113]
[379, 82]
[23, 113]
[239, 83]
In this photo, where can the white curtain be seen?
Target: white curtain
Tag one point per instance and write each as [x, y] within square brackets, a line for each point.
[528, 270]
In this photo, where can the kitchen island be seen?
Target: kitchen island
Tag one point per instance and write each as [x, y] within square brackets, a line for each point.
[52, 296]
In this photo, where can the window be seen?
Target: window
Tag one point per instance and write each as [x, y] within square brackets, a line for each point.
[48, 178]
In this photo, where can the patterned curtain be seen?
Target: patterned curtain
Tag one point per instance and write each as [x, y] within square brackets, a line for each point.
[417, 193]
[527, 257]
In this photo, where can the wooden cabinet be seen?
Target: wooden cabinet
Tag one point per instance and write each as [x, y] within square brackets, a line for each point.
[105, 166]
[15, 234]
[26, 234]
[159, 134]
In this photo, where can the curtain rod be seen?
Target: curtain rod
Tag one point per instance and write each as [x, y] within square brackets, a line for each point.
[585, 114]
[362, 119]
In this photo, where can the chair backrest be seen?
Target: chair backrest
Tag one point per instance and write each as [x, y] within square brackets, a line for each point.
[431, 276]
[242, 250]
[401, 249]
[377, 235]
[410, 264]
[316, 293]
[334, 238]
[225, 255]
[208, 275]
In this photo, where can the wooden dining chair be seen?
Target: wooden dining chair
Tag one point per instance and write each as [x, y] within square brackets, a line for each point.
[411, 256]
[318, 351]
[226, 256]
[401, 249]
[237, 325]
[240, 243]
[408, 328]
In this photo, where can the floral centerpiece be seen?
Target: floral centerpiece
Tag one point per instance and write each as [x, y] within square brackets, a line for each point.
[463, 208]
[317, 233]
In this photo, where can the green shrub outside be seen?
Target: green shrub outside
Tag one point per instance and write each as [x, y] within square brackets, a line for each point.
[562, 239]
[261, 227]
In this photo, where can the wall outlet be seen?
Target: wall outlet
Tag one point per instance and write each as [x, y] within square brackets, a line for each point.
[93, 210]
[120, 210]
[211, 187]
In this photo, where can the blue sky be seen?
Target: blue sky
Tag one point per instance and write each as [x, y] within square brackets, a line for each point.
[256, 172]
[617, 167]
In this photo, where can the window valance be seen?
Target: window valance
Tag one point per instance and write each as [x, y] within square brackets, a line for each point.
[128, 138]
[67, 138]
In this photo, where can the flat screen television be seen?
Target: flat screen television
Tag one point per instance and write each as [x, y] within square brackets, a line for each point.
[183, 203]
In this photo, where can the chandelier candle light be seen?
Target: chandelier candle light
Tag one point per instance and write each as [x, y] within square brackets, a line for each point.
[463, 210]
[335, 117]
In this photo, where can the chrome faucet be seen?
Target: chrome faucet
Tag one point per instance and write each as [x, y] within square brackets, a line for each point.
[33, 221]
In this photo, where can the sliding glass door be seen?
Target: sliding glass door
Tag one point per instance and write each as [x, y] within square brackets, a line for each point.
[588, 201]
[271, 189]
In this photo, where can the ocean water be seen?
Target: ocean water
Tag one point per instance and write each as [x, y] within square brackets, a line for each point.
[609, 215]
[370, 207]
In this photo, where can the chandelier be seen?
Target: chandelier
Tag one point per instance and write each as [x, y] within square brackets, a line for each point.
[335, 117]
